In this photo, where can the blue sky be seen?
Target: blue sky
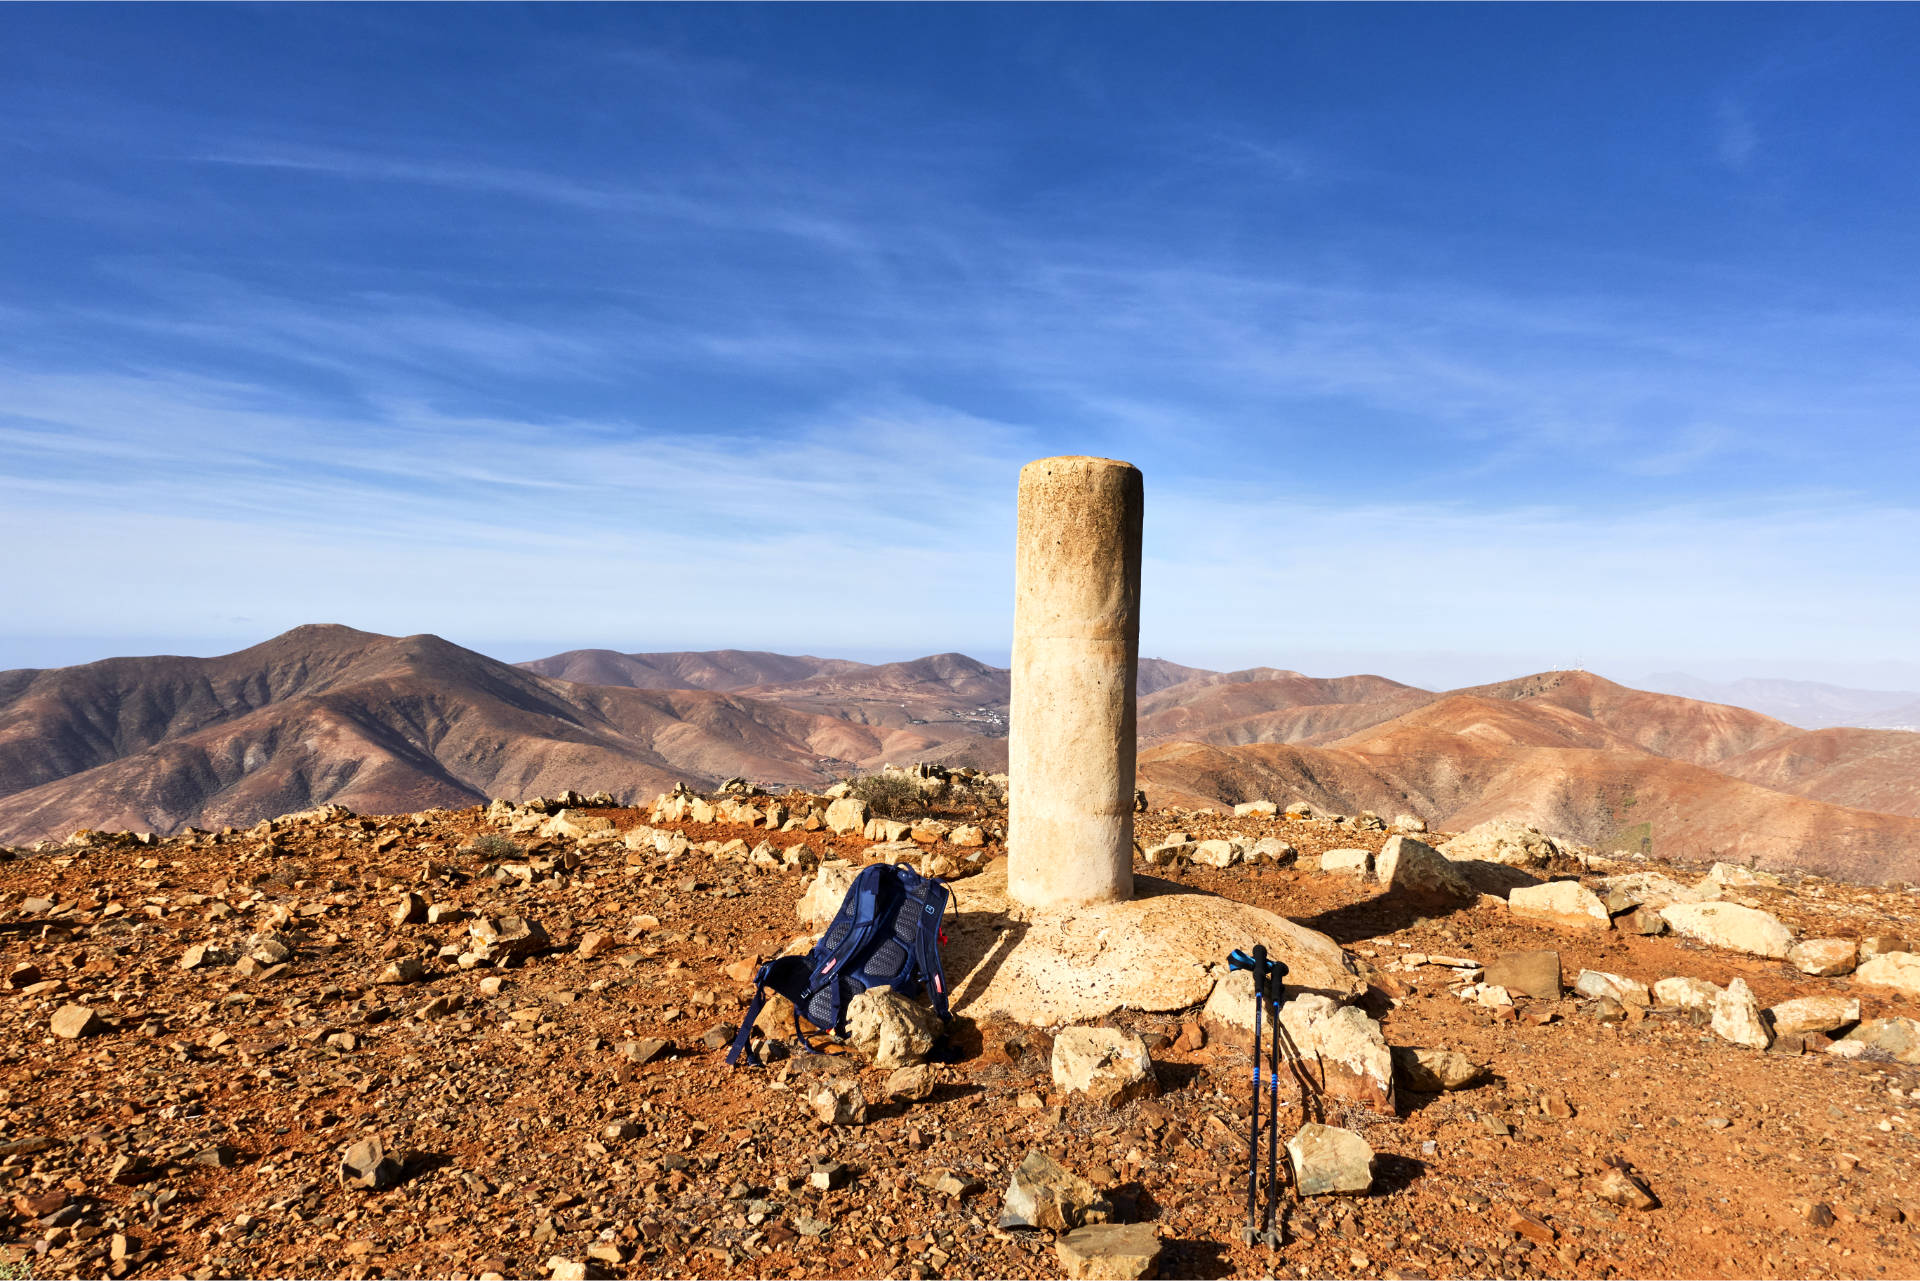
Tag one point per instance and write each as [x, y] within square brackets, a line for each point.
[1453, 342]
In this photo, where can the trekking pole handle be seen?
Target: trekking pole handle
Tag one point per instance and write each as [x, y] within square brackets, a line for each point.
[1259, 963]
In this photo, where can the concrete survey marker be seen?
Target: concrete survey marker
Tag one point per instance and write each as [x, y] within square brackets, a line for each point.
[1057, 933]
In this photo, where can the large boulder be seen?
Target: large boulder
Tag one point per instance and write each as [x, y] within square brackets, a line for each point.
[1501, 841]
[1430, 1071]
[1106, 1064]
[1730, 926]
[890, 1029]
[1160, 950]
[828, 889]
[1217, 853]
[1899, 971]
[575, 826]
[1731, 875]
[1566, 904]
[1814, 1014]
[1643, 889]
[1356, 863]
[848, 814]
[1534, 974]
[1342, 1046]
[1271, 849]
[1349, 1048]
[1594, 984]
[1415, 869]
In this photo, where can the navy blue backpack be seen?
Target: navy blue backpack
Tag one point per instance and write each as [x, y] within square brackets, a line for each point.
[886, 934]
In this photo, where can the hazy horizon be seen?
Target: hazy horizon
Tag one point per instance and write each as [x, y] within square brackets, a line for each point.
[1429, 671]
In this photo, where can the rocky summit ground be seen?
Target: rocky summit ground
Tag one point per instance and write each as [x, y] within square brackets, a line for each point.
[531, 1033]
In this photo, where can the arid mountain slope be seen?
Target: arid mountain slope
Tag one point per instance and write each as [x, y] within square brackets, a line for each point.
[1155, 674]
[1267, 705]
[1874, 769]
[1682, 728]
[720, 669]
[382, 723]
[1466, 757]
[944, 689]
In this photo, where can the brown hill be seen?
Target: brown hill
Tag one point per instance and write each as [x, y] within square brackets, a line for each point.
[1155, 674]
[1564, 755]
[1268, 705]
[1682, 728]
[381, 723]
[1874, 769]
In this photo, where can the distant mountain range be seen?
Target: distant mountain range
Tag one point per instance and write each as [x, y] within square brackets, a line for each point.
[1809, 704]
[384, 724]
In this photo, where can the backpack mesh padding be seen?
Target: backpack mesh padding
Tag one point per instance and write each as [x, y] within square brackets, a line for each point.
[820, 1011]
[884, 963]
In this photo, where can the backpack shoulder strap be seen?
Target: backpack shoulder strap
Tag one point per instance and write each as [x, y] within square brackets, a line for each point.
[780, 974]
[933, 907]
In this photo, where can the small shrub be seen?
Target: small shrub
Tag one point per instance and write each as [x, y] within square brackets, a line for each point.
[890, 795]
[495, 845]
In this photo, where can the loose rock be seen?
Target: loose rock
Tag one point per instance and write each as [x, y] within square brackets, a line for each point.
[1737, 1017]
[890, 1029]
[71, 1022]
[838, 1101]
[1045, 1194]
[1105, 1064]
[1109, 1252]
[1327, 1159]
[914, 1084]
[1899, 971]
[1534, 974]
[1430, 1071]
[1731, 926]
[1824, 957]
[1567, 904]
[366, 1165]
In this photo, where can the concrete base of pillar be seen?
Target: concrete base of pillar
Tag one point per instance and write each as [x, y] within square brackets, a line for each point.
[1163, 949]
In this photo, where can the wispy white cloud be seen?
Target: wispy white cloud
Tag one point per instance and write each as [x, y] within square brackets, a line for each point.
[881, 524]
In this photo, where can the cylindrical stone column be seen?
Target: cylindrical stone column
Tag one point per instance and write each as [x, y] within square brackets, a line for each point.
[1076, 651]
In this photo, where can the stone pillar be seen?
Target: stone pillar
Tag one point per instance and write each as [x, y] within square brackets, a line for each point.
[1076, 652]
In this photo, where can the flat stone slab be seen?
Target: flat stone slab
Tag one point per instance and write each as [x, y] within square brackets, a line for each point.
[1109, 1252]
[1161, 950]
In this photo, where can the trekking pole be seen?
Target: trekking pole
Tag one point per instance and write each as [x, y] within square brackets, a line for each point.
[1275, 974]
[1256, 963]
